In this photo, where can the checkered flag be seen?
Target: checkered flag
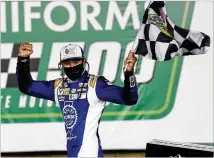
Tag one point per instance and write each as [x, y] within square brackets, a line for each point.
[9, 60]
[159, 39]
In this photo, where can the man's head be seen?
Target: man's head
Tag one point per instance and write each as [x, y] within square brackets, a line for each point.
[72, 61]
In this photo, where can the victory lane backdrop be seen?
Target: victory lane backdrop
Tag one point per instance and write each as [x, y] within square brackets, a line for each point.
[106, 36]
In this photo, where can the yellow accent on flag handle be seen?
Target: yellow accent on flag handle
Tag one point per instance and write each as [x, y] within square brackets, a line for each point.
[125, 68]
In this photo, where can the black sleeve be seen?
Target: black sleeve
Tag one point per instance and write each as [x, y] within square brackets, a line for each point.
[23, 76]
[39, 89]
[130, 87]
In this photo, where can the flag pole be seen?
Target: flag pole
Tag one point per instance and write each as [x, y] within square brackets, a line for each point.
[134, 45]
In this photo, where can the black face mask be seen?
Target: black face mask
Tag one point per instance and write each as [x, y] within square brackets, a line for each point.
[75, 72]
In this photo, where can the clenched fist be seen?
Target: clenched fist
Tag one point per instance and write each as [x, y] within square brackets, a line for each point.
[25, 49]
[130, 61]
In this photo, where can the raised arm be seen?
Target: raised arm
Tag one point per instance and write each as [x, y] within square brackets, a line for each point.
[39, 89]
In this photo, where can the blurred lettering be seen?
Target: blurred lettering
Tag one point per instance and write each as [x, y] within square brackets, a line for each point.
[15, 17]
[3, 17]
[22, 101]
[29, 15]
[87, 17]
[71, 18]
[111, 62]
[114, 11]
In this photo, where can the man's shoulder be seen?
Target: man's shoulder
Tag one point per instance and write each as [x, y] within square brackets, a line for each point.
[92, 80]
[99, 80]
[99, 77]
[57, 82]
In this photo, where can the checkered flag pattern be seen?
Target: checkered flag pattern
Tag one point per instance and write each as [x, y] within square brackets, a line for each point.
[159, 39]
[8, 64]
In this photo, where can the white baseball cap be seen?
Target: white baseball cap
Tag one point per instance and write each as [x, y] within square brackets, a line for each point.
[71, 52]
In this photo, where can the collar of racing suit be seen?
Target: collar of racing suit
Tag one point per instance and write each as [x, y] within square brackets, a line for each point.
[82, 79]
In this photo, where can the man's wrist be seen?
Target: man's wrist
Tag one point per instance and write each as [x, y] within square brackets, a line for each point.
[129, 73]
[23, 59]
[130, 79]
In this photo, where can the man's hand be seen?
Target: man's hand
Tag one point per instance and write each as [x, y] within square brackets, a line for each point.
[130, 61]
[25, 49]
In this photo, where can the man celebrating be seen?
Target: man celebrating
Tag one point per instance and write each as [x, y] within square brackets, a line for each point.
[81, 96]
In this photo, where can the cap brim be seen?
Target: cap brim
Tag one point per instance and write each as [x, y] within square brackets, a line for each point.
[76, 58]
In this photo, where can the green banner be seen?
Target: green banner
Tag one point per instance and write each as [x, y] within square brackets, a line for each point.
[106, 31]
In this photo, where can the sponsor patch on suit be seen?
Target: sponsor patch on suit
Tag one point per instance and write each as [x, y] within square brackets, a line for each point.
[63, 91]
[81, 90]
[82, 95]
[61, 98]
[73, 96]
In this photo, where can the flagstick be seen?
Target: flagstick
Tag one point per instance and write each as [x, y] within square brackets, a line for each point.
[125, 68]
[134, 46]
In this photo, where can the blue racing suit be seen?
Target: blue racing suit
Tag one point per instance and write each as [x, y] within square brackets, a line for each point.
[81, 103]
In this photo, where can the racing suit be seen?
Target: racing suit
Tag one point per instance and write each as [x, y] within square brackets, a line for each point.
[81, 103]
